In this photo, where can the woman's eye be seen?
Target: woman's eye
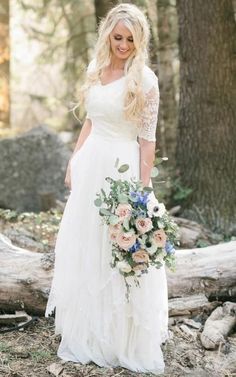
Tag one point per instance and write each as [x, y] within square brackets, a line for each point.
[119, 39]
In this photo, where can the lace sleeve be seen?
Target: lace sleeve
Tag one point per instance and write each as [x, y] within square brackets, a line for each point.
[149, 115]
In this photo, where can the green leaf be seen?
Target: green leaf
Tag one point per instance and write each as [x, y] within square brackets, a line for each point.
[154, 172]
[123, 168]
[158, 161]
[113, 220]
[104, 212]
[98, 202]
[109, 179]
[126, 224]
[122, 198]
[103, 193]
[148, 189]
[117, 162]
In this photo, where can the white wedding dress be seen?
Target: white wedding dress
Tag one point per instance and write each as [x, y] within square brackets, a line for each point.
[92, 314]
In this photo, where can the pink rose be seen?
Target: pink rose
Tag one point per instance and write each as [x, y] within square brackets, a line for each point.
[140, 256]
[143, 225]
[126, 240]
[123, 211]
[140, 267]
[159, 238]
[115, 229]
[113, 237]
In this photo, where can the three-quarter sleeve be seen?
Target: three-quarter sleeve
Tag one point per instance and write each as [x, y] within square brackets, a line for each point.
[149, 114]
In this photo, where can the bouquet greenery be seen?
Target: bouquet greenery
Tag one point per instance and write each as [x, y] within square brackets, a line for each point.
[141, 231]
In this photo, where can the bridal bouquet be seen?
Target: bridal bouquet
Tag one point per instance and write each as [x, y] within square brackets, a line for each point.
[141, 231]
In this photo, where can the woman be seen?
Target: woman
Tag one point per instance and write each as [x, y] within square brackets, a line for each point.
[94, 319]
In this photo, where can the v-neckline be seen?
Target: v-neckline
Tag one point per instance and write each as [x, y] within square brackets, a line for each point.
[111, 82]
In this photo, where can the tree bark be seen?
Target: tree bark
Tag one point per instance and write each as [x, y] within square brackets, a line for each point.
[25, 278]
[209, 270]
[168, 78]
[206, 138]
[4, 65]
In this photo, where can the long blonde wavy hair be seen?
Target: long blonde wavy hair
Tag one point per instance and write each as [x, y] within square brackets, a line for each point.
[134, 19]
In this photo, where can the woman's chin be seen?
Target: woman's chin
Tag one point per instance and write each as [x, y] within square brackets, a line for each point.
[121, 55]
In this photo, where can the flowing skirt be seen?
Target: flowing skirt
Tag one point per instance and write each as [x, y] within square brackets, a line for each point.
[93, 316]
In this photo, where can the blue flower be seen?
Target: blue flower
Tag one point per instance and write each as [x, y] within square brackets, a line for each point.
[133, 195]
[169, 248]
[135, 247]
[138, 198]
[143, 198]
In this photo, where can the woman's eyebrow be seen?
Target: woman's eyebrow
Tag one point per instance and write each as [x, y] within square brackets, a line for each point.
[119, 35]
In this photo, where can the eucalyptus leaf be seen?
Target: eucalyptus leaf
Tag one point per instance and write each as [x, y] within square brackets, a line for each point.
[103, 193]
[122, 198]
[114, 220]
[104, 211]
[154, 172]
[126, 224]
[123, 168]
[148, 189]
[109, 179]
[117, 162]
[158, 161]
[98, 202]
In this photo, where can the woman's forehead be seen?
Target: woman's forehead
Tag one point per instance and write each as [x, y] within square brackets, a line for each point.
[121, 29]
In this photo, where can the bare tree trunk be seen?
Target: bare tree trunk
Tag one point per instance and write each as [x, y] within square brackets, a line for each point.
[168, 77]
[206, 140]
[81, 25]
[201, 274]
[4, 64]
[102, 7]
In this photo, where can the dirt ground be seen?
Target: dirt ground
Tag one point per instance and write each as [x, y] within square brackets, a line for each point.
[31, 352]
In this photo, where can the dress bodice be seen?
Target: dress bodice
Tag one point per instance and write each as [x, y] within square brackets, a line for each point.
[105, 103]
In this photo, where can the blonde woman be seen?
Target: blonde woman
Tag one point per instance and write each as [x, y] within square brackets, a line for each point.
[121, 96]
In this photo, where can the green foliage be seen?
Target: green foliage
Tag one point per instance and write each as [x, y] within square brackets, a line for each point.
[8, 214]
[180, 192]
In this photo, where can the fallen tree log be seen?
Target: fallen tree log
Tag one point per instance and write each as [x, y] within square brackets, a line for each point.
[25, 277]
[209, 270]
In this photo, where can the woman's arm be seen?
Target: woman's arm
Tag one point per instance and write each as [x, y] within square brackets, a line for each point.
[147, 157]
[84, 133]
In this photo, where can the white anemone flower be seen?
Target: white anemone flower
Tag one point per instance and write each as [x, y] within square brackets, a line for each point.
[152, 248]
[155, 208]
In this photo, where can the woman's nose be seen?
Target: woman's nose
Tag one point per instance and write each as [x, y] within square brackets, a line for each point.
[123, 44]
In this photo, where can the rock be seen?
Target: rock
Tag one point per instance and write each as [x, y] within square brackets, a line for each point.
[193, 234]
[221, 321]
[23, 239]
[55, 369]
[32, 170]
[192, 323]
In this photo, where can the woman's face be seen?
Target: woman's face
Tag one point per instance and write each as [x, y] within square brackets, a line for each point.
[121, 40]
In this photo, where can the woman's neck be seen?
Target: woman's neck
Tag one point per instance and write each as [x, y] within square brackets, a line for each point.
[116, 64]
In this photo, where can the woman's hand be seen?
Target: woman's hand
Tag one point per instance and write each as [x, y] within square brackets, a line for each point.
[85, 131]
[68, 176]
